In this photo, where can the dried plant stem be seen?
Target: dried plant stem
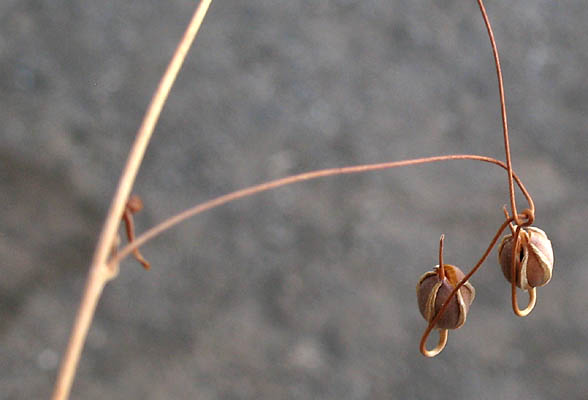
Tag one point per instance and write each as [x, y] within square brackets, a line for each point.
[502, 111]
[529, 213]
[100, 271]
[170, 222]
[441, 270]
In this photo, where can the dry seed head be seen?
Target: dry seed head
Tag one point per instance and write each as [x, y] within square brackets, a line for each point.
[432, 292]
[535, 259]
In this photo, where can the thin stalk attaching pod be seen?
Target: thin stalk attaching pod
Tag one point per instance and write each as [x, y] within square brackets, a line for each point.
[516, 268]
[503, 114]
[134, 205]
[441, 265]
[252, 190]
[507, 216]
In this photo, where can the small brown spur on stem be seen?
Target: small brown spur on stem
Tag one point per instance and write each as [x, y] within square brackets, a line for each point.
[133, 206]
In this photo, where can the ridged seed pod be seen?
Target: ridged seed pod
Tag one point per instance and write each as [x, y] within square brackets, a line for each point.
[432, 292]
[535, 263]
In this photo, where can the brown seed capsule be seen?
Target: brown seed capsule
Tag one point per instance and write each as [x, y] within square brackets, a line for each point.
[432, 292]
[535, 263]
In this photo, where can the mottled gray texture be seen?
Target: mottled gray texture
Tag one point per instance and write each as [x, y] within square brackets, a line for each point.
[307, 291]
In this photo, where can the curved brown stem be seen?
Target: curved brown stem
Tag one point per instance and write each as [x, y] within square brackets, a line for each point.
[130, 229]
[532, 301]
[507, 216]
[170, 222]
[441, 270]
[503, 111]
[440, 344]
[531, 211]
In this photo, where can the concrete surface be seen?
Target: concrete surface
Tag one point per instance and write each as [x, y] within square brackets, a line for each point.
[307, 292]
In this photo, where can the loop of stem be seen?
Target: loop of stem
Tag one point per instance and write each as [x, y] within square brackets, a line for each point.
[443, 333]
[532, 300]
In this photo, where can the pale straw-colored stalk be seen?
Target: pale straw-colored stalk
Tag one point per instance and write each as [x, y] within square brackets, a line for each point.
[100, 270]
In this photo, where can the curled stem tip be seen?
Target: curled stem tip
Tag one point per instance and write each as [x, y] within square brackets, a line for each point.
[527, 310]
[443, 333]
[507, 216]
[441, 270]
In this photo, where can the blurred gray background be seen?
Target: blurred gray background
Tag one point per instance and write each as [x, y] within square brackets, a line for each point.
[307, 291]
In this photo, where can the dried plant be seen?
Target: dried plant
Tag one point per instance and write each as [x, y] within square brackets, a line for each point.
[444, 295]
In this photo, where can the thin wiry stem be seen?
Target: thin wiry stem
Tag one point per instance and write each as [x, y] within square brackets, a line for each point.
[503, 112]
[441, 343]
[100, 271]
[170, 222]
[441, 264]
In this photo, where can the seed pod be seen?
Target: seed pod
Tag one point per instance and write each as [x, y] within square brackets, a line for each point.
[535, 263]
[432, 292]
